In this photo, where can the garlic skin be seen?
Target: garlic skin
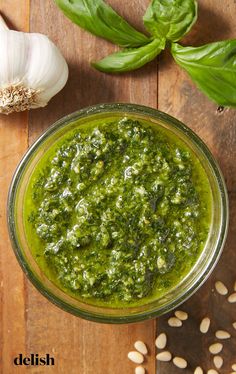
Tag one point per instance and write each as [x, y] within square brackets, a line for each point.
[32, 70]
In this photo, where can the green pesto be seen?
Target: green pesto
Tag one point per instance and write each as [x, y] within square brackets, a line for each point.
[118, 212]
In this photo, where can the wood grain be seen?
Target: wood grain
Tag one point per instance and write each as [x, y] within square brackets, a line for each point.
[13, 143]
[188, 342]
[30, 323]
[80, 346]
[179, 97]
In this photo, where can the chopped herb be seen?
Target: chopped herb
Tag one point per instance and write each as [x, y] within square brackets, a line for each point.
[122, 212]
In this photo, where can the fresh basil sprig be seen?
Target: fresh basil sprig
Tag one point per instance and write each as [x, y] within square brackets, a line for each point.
[100, 19]
[170, 19]
[130, 59]
[212, 67]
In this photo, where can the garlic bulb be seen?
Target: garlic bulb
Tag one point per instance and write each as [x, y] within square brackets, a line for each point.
[32, 70]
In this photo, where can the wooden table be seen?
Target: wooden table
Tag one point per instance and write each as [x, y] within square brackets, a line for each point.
[31, 324]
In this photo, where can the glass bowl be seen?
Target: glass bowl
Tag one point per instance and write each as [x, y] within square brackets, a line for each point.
[187, 286]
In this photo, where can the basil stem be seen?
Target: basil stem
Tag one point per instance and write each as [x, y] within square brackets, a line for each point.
[170, 19]
[212, 67]
[100, 19]
[130, 59]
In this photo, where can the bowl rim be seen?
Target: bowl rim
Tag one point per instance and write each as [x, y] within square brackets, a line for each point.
[130, 109]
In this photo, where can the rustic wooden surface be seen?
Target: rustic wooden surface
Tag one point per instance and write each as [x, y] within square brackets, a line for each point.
[29, 323]
[178, 96]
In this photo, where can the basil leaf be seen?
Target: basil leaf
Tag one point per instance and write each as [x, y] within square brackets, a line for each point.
[170, 19]
[101, 20]
[212, 67]
[130, 59]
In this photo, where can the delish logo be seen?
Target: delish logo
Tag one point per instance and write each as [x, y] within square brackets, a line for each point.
[34, 360]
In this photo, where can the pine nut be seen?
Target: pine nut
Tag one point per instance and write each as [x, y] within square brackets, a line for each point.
[180, 362]
[198, 370]
[161, 341]
[174, 322]
[136, 357]
[232, 298]
[218, 361]
[141, 347]
[204, 325]
[234, 325]
[139, 370]
[221, 288]
[164, 356]
[221, 334]
[216, 348]
[183, 316]
[234, 367]
[212, 371]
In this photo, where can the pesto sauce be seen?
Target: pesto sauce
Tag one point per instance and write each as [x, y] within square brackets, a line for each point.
[118, 212]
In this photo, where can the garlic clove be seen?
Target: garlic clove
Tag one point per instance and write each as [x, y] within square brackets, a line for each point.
[47, 75]
[32, 70]
[14, 57]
